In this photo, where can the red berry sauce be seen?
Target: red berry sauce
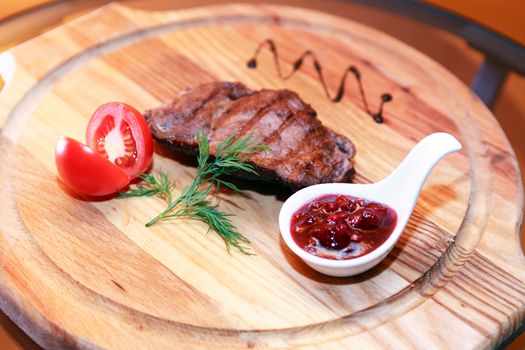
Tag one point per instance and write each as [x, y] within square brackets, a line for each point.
[342, 227]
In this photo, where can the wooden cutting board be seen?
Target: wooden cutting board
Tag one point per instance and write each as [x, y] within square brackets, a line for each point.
[77, 273]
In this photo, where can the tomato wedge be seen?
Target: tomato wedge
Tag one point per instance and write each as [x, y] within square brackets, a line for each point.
[85, 171]
[119, 133]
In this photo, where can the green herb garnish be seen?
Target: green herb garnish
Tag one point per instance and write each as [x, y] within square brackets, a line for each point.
[194, 201]
[159, 186]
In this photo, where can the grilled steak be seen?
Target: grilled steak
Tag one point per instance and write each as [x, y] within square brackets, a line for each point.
[303, 151]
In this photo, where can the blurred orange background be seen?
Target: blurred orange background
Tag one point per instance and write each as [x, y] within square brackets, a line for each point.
[505, 17]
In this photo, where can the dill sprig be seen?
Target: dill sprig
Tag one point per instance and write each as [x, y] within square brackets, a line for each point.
[159, 186]
[194, 201]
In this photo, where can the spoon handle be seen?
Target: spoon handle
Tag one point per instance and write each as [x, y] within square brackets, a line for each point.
[408, 178]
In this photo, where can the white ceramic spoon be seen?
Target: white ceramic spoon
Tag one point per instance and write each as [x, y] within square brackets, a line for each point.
[399, 191]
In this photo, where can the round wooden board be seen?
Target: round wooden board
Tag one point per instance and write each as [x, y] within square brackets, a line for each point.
[89, 274]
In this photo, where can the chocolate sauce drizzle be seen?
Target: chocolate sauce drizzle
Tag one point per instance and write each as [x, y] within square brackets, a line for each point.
[385, 98]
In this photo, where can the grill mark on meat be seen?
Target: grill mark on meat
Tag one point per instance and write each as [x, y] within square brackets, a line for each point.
[212, 109]
[228, 112]
[194, 115]
[271, 139]
[304, 140]
[249, 127]
[218, 92]
[266, 128]
[279, 159]
[304, 148]
[210, 97]
[304, 152]
[239, 119]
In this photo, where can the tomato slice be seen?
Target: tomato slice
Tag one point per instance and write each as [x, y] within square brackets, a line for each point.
[85, 171]
[119, 133]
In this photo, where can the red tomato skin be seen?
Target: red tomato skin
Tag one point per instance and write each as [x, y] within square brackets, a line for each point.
[85, 171]
[139, 129]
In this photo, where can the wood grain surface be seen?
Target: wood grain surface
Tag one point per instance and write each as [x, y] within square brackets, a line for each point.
[78, 273]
